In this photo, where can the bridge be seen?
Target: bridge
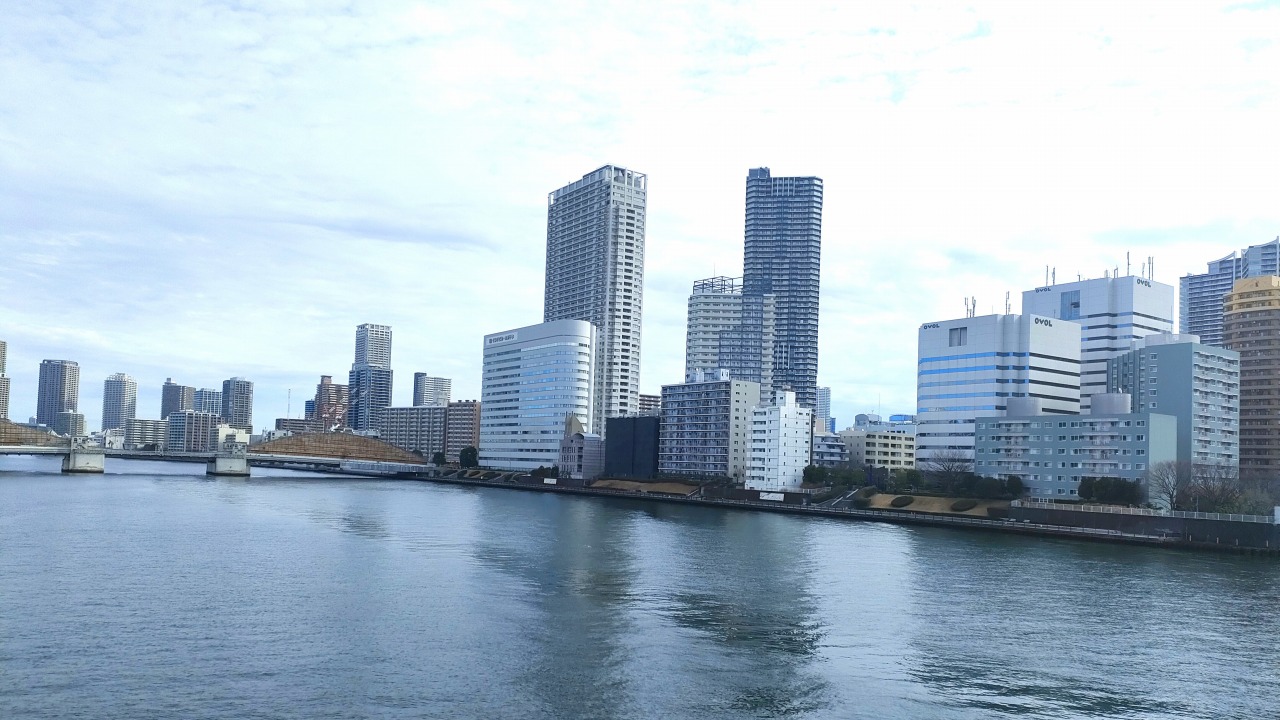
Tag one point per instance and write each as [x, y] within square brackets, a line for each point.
[341, 453]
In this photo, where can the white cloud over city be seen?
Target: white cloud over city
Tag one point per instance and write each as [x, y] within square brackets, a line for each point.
[201, 190]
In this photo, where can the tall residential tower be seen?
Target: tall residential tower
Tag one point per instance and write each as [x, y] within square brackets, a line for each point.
[370, 380]
[595, 272]
[782, 255]
[1200, 296]
[119, 401]
[59, 390]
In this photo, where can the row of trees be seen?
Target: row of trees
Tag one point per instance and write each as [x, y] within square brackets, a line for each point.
[1211, 488]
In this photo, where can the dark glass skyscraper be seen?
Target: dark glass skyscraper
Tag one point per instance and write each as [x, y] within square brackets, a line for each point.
[782, 255]
[59, 390]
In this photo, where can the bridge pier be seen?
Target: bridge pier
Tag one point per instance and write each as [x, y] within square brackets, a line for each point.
[230, 462]
[83, 458]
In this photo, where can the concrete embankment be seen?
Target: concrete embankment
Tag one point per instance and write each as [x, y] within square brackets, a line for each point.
[1020, 526]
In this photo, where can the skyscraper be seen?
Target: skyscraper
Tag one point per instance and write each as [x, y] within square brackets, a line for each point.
[429, 390]
[822, 412]
[728, 330]
[205, 400]
[331, 404]
[4, 381]
[237, 403]
[59, 390]
[1200, 296]
[370, 380]
[177, 398]
[595, 272]
[782, 255]
[1251, 327]
[119, 401]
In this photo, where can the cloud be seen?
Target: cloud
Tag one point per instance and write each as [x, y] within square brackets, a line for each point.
[208, 190]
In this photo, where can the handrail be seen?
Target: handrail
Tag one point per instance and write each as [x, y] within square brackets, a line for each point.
[1118, 510]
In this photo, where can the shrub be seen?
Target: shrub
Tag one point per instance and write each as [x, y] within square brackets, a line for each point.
[962, 505]
[862, 503]
[866, 493]
[902, 501]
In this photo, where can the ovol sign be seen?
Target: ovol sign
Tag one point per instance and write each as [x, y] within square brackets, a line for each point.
[1144, 283]
[930, 326]
[1044, 321]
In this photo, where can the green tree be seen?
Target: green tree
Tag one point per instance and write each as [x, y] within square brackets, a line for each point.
[438, 458]
[815, 475]
[1013, 486]
[469, 457]
[906, 480]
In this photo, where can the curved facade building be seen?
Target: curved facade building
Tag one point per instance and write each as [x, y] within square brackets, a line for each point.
[533, 378]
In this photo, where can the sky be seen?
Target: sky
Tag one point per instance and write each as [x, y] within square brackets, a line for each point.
[203, 190]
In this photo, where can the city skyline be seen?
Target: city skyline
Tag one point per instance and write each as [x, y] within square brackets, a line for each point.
[1082, 164]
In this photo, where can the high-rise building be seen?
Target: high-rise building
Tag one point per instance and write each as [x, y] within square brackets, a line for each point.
[706, 425]
[1111, 311]
[428, 390]
[462, 428]
[237, 403]
[782, 255]
[781, 437]
[191, 431]
[1196, 383]
[177, 398]
[4, 381]
[373, 345]
[974, 366]
[331, 404]
[731, 331]
[1200, 296]
[205, 400]
[522, 422]
[370, 380]
[59, 390]
[119, 401]
[1251, 327]
[419, 429]
[822, 419]
[595, 273]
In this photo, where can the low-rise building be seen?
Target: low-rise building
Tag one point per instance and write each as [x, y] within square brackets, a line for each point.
[69, 423]
[829, 450]
[581, 452]
[887, 448]
[419, 429]
[462, 428]
[191, 431]
[781, 436]
[1050, 454]
[631, 447]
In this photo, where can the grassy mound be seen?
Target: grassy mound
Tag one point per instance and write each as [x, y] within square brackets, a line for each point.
[865, 493]
[963, 504]
[902, 501]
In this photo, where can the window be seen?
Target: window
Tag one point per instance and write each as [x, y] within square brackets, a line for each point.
[958, 337]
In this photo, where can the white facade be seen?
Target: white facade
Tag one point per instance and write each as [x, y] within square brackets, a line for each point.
[1111, 312]
[428, 390]
[533, 377]
[730, 332]
[191, 431]
[141, 434]
[781, 436]
[972, 367]
[206, 400]
[595, 273]
[705, 429]
[119, 401]
[373, 345]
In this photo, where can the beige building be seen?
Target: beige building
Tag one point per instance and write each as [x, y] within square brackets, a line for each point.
[730, 331]
[462, 428]
[1251, 327]
[893, 450]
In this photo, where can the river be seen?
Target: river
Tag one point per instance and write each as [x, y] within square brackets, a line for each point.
[154, 591]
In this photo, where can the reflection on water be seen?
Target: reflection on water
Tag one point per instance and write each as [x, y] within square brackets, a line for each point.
[167, 594]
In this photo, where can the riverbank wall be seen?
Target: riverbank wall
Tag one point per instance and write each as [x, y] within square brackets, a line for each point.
[1244, 532]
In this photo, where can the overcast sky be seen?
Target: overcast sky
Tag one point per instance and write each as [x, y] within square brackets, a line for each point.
[201, 190]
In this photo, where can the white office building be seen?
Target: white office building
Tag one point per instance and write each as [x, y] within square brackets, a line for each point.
[1111, 311]
[146, 434]
[595, 273]
[887, 448]
[971, 367]
[705, 427]
[533, 378]
[729, 331]
[191, 431]
[781, 436]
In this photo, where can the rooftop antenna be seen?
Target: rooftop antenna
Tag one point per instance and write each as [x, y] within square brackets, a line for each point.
[1006, 302]
[1128, 269]
[1046, 274]
[288, 407]
[1143, 271]
[1055, 276]
[974, 306]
